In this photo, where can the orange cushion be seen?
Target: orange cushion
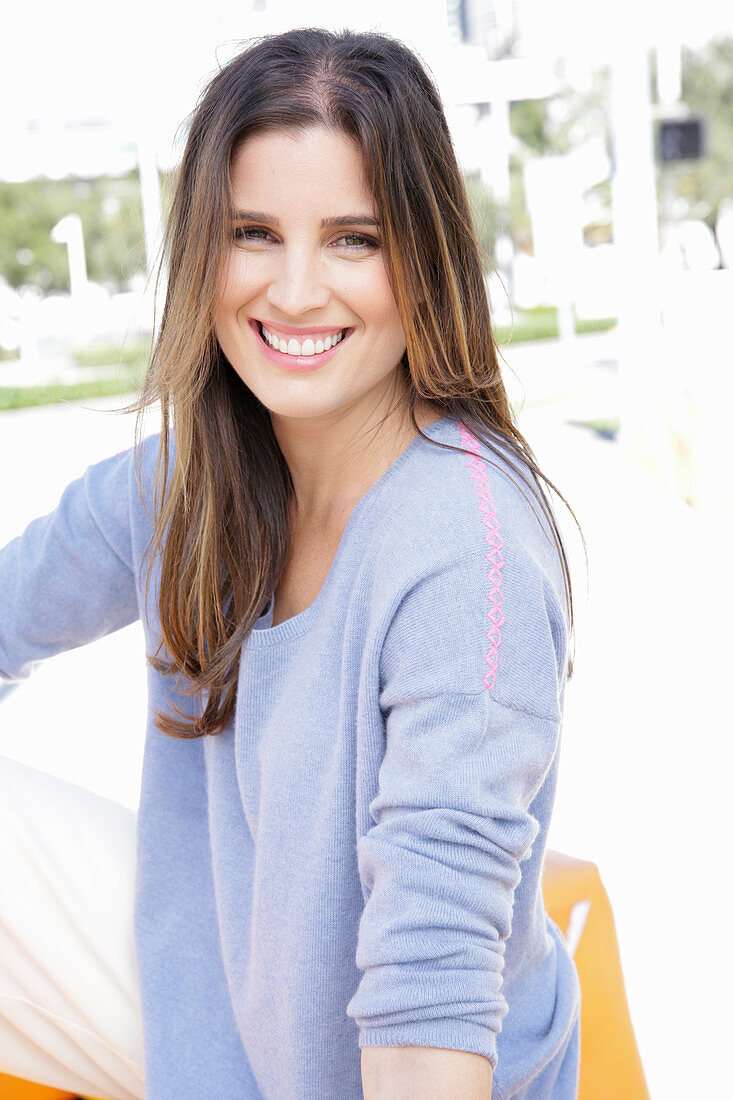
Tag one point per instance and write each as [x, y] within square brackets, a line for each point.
[610, 1066]
[12, 1088]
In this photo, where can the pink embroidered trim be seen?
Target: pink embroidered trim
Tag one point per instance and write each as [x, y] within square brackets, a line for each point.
[480, 478]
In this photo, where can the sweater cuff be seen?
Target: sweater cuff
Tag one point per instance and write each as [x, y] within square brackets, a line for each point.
[448, 1034]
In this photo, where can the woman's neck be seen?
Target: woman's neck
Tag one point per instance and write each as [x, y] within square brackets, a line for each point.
[334, 461]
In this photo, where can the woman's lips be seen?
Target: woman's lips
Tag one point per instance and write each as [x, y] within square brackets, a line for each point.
[297, 362]
[303, 330]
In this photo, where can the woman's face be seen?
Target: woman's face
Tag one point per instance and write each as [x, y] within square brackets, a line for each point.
[306, 265]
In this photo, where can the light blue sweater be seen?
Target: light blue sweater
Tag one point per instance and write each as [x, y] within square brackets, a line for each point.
[357, 859]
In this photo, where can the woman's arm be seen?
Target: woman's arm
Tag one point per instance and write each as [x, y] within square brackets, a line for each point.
[69, 578]
[471, 707]
[406, 1073]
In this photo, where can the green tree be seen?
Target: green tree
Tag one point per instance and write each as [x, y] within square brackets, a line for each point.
[111, 217]
[485, 215]
[707, 89]
[555, 126]
[530, 126]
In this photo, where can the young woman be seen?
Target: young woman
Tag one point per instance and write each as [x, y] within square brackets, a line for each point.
[356, 610]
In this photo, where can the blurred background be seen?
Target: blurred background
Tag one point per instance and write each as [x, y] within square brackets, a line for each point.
[597, 147]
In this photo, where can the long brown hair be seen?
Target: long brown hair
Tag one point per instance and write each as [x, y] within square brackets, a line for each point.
[222, 503]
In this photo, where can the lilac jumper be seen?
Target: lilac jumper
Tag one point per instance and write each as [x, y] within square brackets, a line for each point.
[357, 858]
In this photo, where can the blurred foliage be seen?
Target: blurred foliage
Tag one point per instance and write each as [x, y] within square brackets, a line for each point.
[490, 220]
[529, 125]
[112, 222]
[580, 111]
[707, 89]
[575, 115]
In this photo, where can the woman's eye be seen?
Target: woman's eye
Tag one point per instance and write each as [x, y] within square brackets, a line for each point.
[245, 233]
[358, 242]
[350, 242]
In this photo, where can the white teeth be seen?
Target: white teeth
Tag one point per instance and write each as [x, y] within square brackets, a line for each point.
[307, 348]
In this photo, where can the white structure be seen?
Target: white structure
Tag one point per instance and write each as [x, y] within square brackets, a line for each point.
[69, 232]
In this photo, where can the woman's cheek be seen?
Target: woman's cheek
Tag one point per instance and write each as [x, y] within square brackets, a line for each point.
[230, 279]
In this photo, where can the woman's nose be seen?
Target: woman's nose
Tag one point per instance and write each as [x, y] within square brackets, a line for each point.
[297, 285]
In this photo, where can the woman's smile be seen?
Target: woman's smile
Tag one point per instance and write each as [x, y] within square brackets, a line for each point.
[304, 352]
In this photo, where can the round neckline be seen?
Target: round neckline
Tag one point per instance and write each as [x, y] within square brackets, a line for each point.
[266, 634]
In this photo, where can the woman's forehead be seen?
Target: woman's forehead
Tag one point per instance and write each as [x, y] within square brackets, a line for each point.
[272, 166]
[317, 139]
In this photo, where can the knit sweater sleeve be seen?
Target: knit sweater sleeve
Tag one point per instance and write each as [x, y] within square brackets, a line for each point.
[472, 671]
[68, 579]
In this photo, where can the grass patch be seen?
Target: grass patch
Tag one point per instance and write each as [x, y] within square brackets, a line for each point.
[133, 354]
[25, 397]
[606, 427]
[127, 367]
[541, 324]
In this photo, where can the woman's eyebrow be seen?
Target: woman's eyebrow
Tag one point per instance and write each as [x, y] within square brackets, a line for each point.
[326, 223]
[349, 219]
